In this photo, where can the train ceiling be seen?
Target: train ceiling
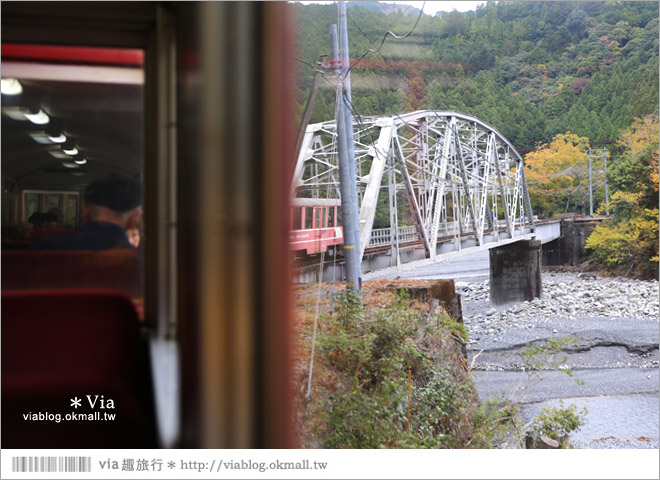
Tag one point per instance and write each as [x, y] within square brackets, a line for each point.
[93, 97]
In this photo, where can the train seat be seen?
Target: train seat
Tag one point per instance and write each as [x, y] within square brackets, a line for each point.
[113, 269]
[62, 345]
[37, 235]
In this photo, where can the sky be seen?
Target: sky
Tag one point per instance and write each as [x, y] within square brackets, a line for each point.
[432, 7]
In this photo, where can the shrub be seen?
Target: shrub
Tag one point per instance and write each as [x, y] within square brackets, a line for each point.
[455, 328]
[375, 358]
[558, 423]
[629, 245]
[496, 424]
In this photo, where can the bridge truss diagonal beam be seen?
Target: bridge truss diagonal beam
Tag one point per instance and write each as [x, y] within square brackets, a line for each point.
[378, 153]
[460, 178]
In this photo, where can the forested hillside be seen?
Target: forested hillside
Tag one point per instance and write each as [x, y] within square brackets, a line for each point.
[553, 77]
[530, 69]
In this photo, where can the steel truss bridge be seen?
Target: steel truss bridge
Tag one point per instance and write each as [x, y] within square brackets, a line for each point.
[450, 181]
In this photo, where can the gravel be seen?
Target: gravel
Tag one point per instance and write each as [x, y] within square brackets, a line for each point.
[615, 324]
[611, 421]
[615, 443]
[566, 297]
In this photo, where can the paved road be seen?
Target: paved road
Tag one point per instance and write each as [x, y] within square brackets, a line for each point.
[615, 355]
[469, 267]
[556, 385]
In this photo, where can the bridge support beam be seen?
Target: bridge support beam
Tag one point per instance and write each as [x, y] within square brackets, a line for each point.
[515, 272]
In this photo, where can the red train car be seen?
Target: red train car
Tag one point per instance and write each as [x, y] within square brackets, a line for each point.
[314, 224]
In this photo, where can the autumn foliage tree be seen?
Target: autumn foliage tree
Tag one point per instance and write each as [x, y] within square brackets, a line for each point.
[629, 244]
[636, 169]
[558, 175]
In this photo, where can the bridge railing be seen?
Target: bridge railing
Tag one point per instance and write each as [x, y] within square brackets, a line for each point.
[383, 236]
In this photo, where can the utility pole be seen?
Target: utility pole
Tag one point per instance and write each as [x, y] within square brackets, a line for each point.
[591, 197]
[344, 121]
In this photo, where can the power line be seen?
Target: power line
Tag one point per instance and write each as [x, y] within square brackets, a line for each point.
[303, 61]
[393, 35]
[360, 30]
[369, 50]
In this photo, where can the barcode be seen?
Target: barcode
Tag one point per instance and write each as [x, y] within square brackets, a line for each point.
[51, 464]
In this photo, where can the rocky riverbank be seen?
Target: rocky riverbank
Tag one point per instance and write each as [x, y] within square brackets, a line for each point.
[566, 297]
[614, 326]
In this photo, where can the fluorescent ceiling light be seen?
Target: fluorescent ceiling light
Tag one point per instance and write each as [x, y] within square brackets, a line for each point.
[39, 118]
[46, 138]
[81, 161]
[70, 151]
[61, 138]
[77, 173]
[41, 137]
[11, 86]
[70, 165]
[15, 113]
[58, 154]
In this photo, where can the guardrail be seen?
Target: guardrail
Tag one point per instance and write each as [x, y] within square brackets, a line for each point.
[383, 236]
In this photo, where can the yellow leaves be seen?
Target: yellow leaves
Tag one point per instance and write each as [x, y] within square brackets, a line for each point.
[655, 170]
[626, 199]
[559, 168]
[628, 245]
[643, 133]
[566, 155]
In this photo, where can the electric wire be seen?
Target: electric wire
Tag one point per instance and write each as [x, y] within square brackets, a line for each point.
[388, 33]
[303, 61]
[358, 117]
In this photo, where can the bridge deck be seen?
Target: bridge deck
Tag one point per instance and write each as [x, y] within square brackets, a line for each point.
[377, 260]
[404, 267]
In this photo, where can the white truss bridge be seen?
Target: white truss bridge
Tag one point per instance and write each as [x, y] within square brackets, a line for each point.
[449, 182]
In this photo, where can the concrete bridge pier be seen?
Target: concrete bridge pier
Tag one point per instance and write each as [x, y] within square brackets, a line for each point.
[515, 272]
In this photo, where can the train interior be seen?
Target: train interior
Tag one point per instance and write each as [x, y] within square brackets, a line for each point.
[187, 331]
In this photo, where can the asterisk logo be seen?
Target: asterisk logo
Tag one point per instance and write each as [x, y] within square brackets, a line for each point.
[75, 402]
[171, 464]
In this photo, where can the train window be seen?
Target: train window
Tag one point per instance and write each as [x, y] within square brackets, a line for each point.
[64, 204]
[307, 212]
[318, 215]
[297, 223]
[71, 116]
[331, 216]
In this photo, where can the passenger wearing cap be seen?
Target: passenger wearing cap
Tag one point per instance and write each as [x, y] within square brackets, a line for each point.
[110, 207]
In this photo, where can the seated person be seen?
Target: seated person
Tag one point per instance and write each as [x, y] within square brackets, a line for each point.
[56, 215]
[110, 206]
[48, 227]
[134, 236]
[37, 220]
